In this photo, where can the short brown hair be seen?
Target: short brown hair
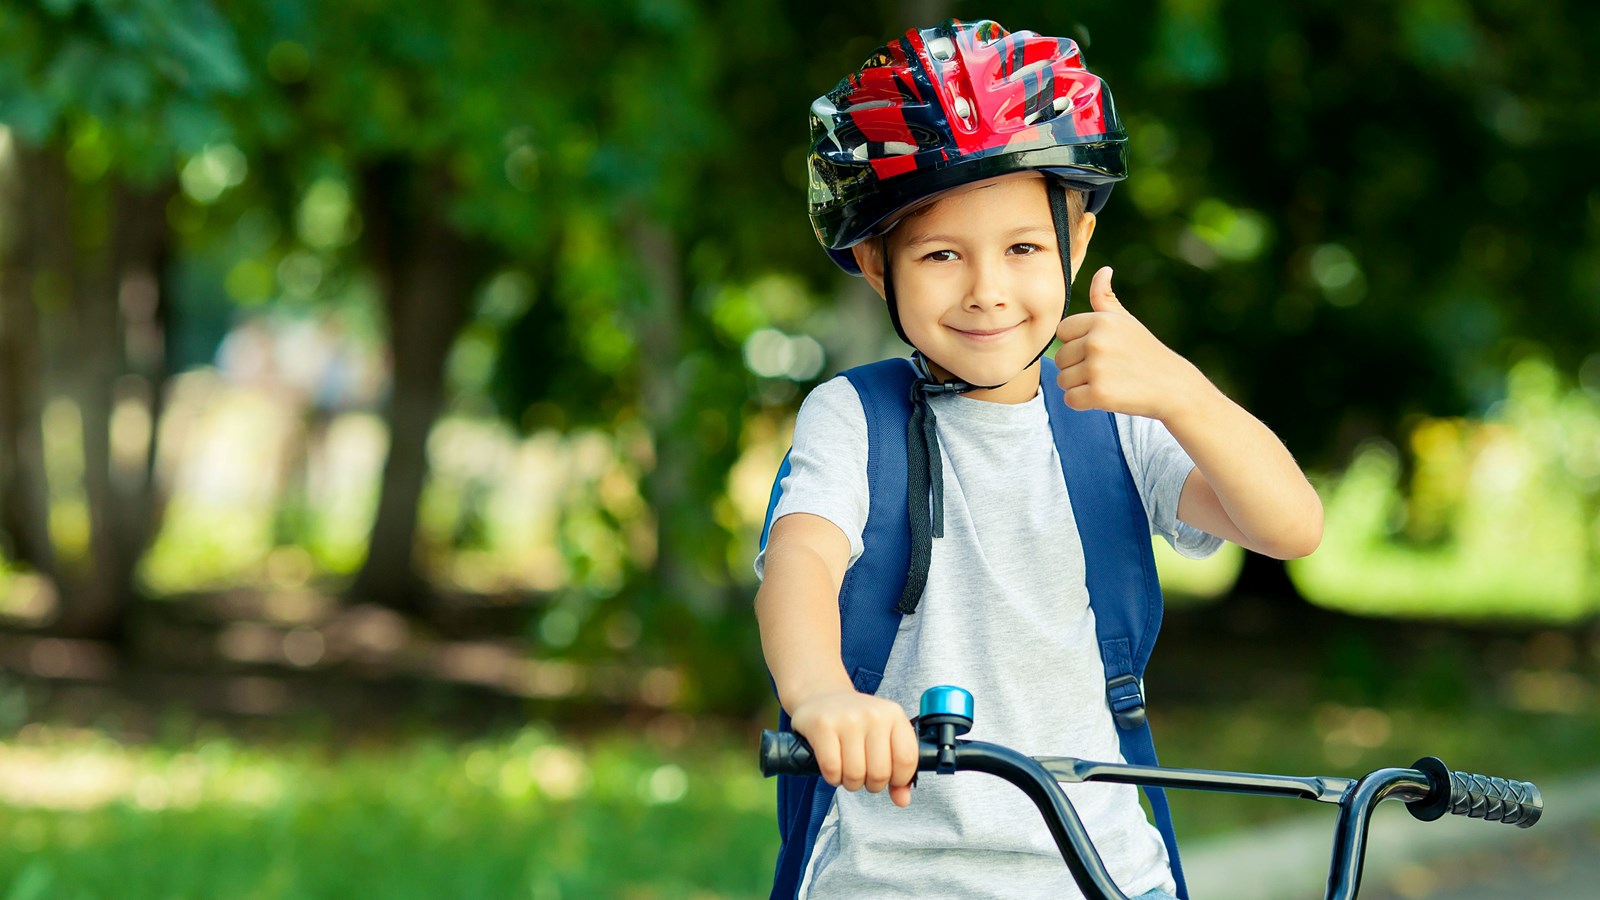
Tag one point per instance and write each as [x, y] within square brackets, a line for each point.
[1077, 204]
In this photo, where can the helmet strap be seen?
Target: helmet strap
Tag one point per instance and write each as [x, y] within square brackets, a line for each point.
[925, 467]
[1056, 190]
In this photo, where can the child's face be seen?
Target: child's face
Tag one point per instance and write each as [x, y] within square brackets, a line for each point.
[978, 280]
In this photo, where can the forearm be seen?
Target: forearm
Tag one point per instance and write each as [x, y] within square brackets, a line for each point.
[859, 740]
[1250, 491]
[797, 609]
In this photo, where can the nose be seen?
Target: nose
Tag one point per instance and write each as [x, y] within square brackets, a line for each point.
[987, 289]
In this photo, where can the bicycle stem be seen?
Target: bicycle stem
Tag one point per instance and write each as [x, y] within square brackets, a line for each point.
[1355, 812]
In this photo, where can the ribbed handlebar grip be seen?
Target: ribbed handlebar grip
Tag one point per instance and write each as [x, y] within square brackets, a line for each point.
[786, 753]
[1477, 796]
[1495, 799]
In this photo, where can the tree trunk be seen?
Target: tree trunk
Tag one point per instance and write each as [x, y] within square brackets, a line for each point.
[96, 252]
[427, 271]
[668, 485]
[134, 313]
[24, 493]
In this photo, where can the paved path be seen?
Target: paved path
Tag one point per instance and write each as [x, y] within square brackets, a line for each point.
[1457, 858]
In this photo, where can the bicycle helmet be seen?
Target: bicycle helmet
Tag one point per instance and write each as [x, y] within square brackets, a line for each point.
[949, 105]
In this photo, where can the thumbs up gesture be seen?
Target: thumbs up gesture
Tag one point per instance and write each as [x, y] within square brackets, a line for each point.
[1110, 361]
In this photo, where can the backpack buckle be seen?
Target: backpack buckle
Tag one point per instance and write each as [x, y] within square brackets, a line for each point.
[1125, 695]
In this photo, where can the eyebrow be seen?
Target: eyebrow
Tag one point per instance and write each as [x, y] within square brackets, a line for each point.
[1022, 231]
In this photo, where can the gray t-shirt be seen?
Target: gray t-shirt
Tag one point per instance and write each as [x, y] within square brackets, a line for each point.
[1005, 615]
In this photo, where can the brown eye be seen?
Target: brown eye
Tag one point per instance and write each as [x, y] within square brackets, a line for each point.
[1025, 249]
[941, 256]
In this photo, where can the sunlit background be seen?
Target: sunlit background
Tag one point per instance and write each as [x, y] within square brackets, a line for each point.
[390, 395]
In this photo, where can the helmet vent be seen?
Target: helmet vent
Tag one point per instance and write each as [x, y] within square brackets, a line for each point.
[1029, 69]
[881, 149]
[943, 49]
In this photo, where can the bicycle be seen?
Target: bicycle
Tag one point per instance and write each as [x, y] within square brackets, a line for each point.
[1429, 789]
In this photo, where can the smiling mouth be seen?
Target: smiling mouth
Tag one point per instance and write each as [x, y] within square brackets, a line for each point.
[985, 334]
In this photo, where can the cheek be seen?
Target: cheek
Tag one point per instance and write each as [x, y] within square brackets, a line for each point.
[918, 317]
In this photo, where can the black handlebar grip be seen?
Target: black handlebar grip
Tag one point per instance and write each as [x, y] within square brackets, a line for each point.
[786, 753]
[1476, 796]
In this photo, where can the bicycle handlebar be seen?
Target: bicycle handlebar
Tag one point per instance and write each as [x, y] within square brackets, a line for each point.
[1429, 789]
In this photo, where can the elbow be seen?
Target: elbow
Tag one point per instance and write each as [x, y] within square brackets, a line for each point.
[1303, 544]
[1303, 538]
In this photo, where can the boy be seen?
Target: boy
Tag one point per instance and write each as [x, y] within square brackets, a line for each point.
[960, 171]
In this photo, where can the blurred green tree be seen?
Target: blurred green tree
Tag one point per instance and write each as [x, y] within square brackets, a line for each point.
[446, 126]
[102, 100]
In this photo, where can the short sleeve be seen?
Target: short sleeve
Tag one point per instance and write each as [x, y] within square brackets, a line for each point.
[1160, 467]
[828, 464]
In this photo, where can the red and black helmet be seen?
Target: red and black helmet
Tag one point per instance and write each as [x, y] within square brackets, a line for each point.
[949, 105]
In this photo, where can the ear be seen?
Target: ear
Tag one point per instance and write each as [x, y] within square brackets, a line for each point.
[1081, 236]
[869, 258]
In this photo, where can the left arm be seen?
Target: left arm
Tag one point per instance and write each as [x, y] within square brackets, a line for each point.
[1245, 486]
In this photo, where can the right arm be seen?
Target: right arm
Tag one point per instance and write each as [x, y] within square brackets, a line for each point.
[858, 739]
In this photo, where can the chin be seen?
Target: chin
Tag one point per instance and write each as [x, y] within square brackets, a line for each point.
[991, 372]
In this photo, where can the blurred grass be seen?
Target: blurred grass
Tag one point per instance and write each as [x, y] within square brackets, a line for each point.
[526, 816]
[620, 815]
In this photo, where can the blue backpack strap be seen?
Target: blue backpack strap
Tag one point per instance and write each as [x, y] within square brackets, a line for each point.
[1120, 571]
[868, 620]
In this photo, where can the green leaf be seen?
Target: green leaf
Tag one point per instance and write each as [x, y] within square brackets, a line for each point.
[192, 124]
[32, 115]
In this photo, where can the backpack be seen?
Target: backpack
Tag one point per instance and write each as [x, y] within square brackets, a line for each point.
[1119, 569]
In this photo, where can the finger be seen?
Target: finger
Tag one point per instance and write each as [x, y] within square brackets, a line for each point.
[825, 749]
[903, 743]
[1071, 353]
[880, 760]
[904, 749]
[852, 763]
[1074, 326]
[1082, 397]
[1072, 376]
[1101, 297]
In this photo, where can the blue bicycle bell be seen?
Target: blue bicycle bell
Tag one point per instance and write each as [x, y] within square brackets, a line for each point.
[946, 713]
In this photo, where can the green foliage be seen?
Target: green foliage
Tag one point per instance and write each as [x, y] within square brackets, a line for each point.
[148, 80]
[1496, 519]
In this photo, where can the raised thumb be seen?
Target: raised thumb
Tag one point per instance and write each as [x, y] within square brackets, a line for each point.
[1101, 297]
